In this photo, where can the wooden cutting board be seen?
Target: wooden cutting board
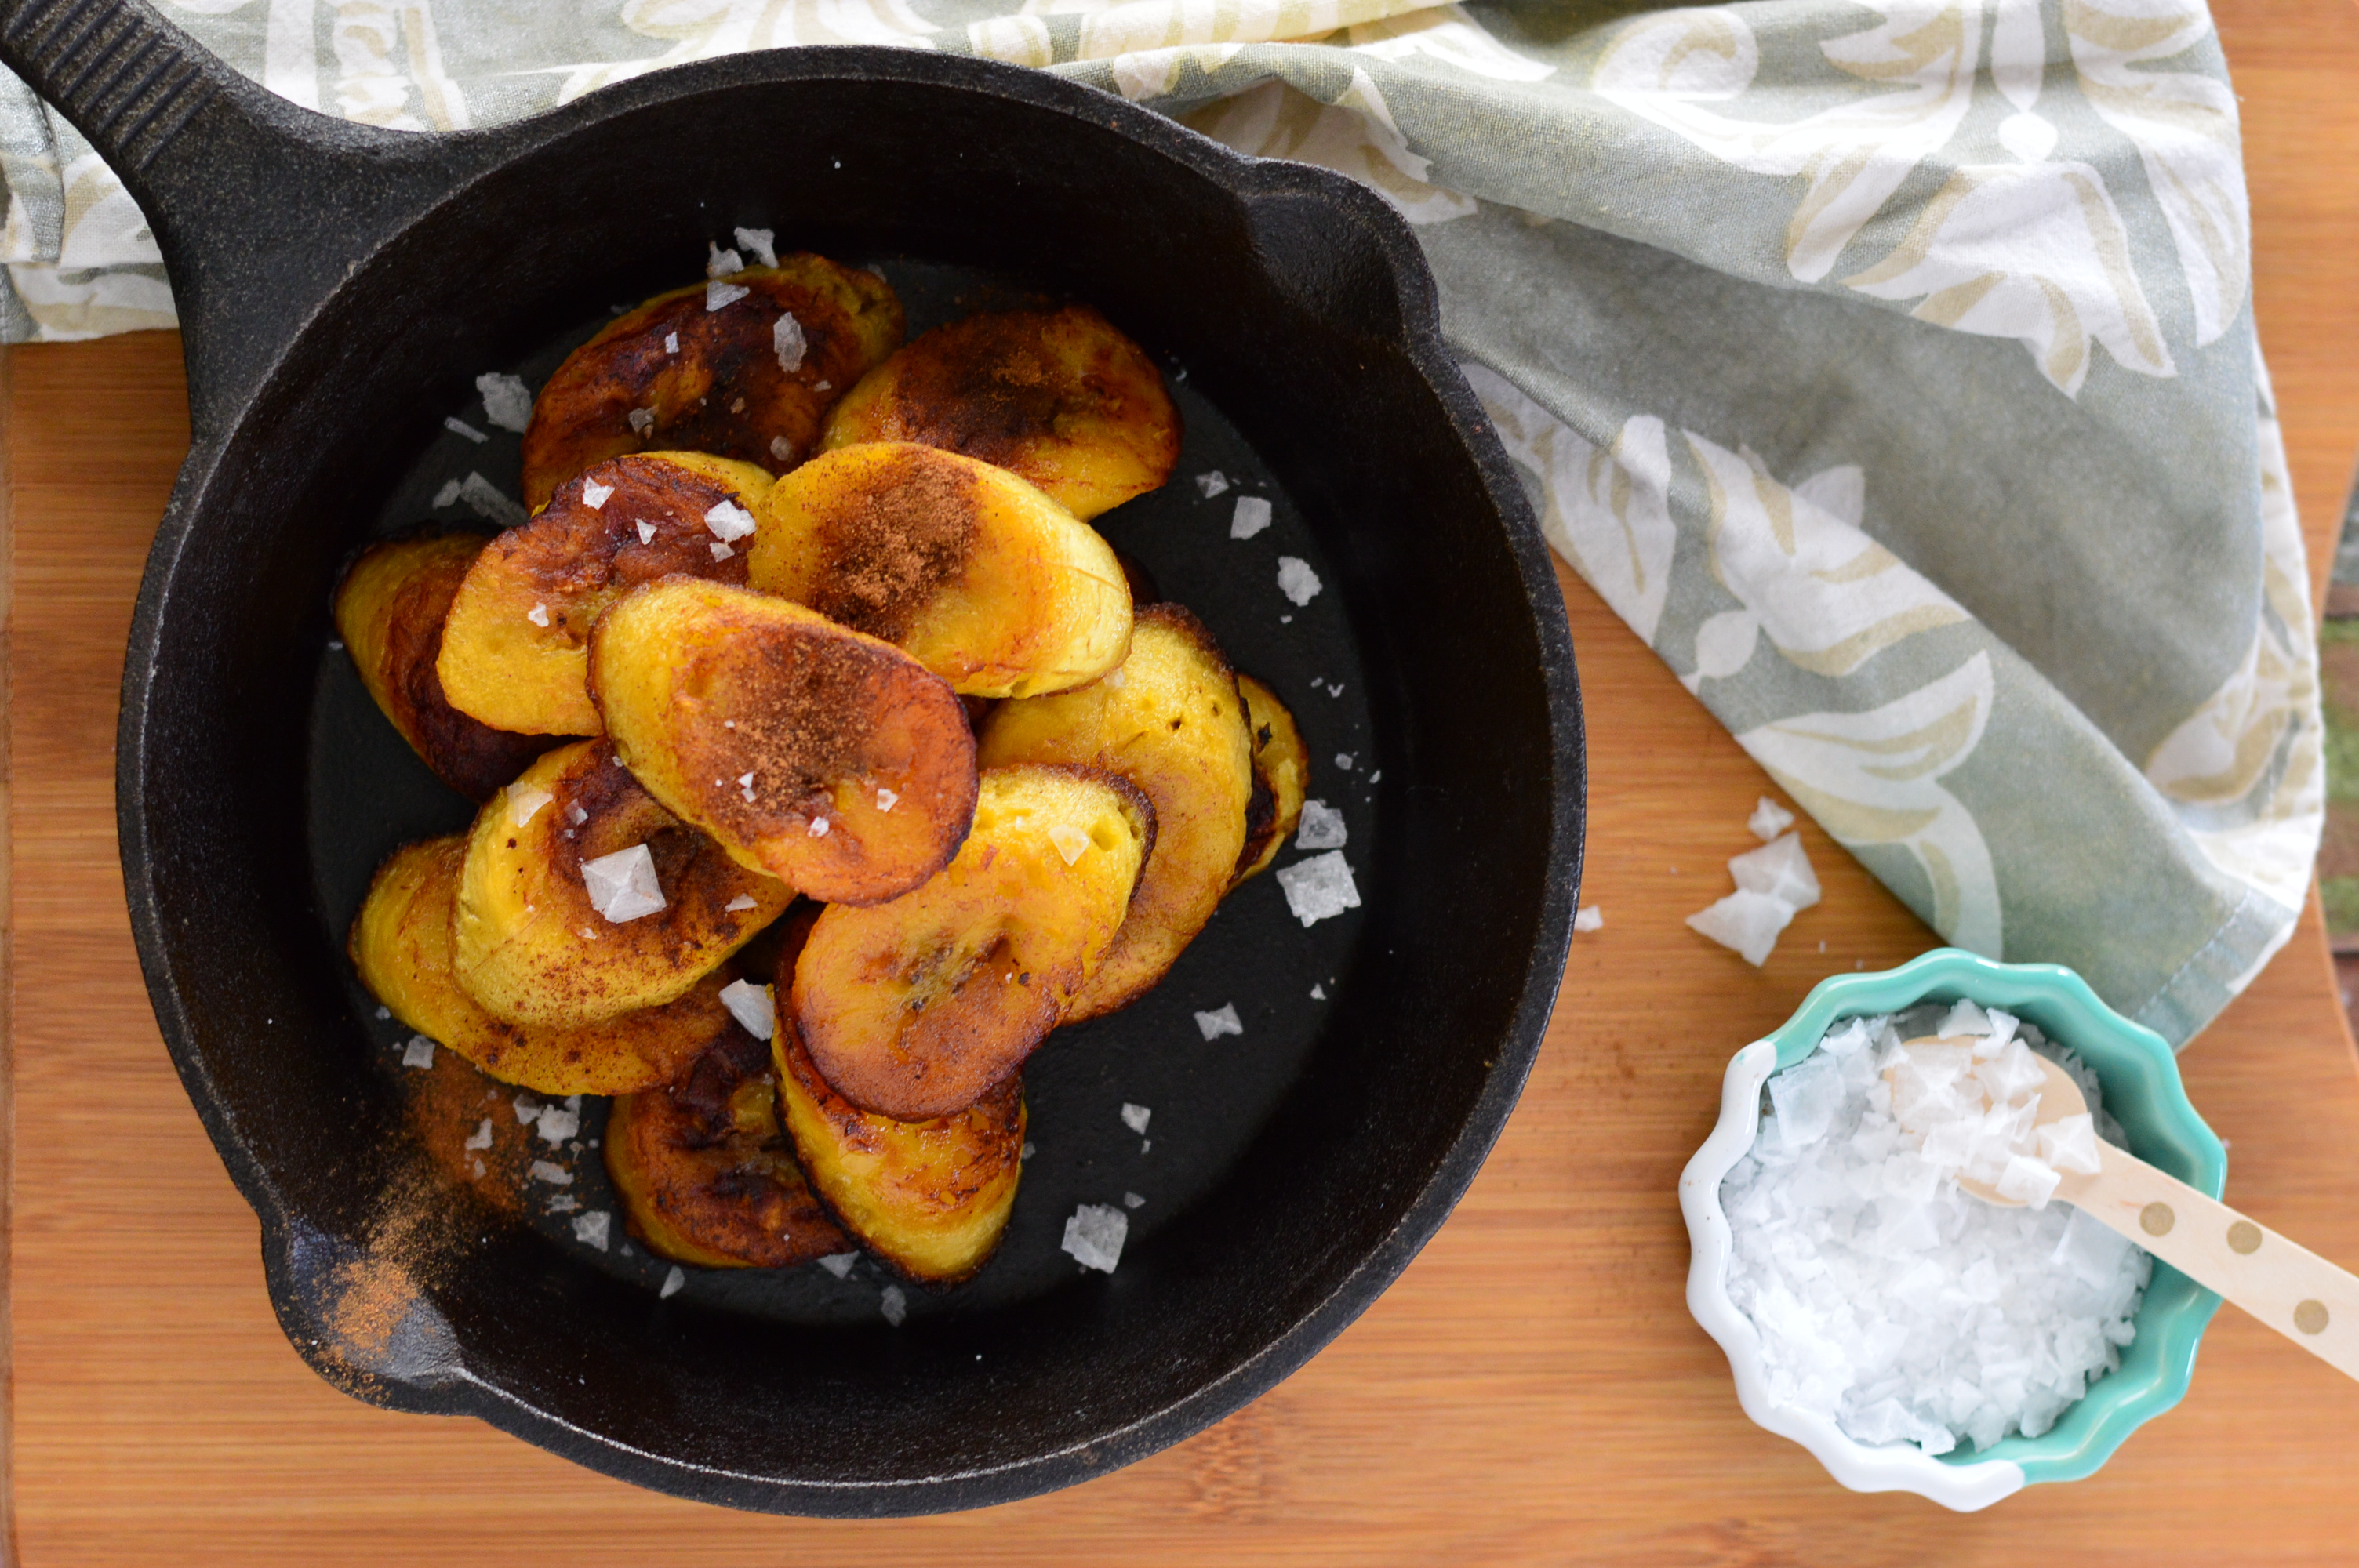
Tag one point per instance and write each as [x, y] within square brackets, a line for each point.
[1531, 1391]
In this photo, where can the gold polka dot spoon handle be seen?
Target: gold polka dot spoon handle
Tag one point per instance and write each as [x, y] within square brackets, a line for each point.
[2288, 1287]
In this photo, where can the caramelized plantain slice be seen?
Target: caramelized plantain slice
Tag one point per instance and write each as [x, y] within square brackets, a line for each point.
[1169, 721]
[401, 945]
[390, 610]
[751, 379]
[516, 652]
[558, 921]
[917, 1008]
[811, 753]
[974, 573]
[1058, 396]
[705, 1170]
[1281, 778]
[931, 1198]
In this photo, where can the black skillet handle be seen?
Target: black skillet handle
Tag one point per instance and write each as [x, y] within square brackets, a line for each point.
[258, 207]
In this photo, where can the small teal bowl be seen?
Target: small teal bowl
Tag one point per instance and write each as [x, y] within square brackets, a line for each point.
[2142, 1089]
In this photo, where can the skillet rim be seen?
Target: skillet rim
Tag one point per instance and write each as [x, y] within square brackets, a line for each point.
[1372, 223]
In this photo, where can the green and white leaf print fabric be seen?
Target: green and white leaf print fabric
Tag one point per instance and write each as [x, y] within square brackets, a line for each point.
[1887, 365]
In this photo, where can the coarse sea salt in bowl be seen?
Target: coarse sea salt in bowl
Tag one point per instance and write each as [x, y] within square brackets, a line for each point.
[2140, 1081]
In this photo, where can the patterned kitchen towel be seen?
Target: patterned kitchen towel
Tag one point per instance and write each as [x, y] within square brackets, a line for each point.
[1888, 366]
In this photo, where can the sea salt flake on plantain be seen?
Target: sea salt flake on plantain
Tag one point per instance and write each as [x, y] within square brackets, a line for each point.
[622, 886]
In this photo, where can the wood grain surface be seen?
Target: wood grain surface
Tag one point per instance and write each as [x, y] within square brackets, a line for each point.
[1532, 1390]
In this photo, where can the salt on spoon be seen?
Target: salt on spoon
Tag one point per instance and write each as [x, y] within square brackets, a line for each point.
[2290, 1287]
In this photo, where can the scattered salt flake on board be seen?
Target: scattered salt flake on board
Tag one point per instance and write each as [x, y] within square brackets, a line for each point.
[622, 886]
[458, 426]
[488, 502]
[1222, 1020]
[840, 1263]
[1336, 689]
[537, 615]
[786, 340]
[527, 1109]
[1747, 921]
[1296, 579]
[567, 1205]
[1320, 886]
[1135, 1117]
[547, 1171]
[762, 243]
[1345, 760]
[1069, 840]
[482, 1136]
[594, 495]
[1251, 517]
[448, 495]
[1132, 1200]
[1588, 917]
[641, 420]
[591, 1229]
[507, 402]
[1212, 483]
[1094, 1236]
[894, 1305]
[525, 803]
[1782, 869]
[1321, 827]
[1318, 993]
[383, 1013]
[719, 263]
[1028, 1147]
[751, 1006]
[1768, 819]
[418, 1053]
[672, 1283]
[728, 521]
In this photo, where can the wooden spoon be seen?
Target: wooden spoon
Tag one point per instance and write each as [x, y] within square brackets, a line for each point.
[2292, 1289]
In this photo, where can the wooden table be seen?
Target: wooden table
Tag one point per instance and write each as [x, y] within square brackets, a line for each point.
[1531, 1391]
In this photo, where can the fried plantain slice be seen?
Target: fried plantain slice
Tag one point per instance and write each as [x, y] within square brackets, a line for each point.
[1281, 778]
[582, 898]
[515, 650]
[917, 1008]
[1058, 396]
[401, 944]
[977, 574]
[391, 610]
[1169, 721]
[750, 379]
[931, 1198]
[706, 1172]
[811, 753]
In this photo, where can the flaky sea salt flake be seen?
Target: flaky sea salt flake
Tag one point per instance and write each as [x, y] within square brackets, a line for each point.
[751, 1006]
[525, 803]
[1781, 869]
[1588, 917]
[719, 263]
[447, 496]
[537, 615]
[1071, 841]
[1222, 1020]
[593, 494]
[1251, 517]
[591, 1229]
[1135, 1117]
[1321, 827]
[885, 800]
[762, 243]
[547, 1171]
[622, 886]
[507, 402]
[894, 1305]
[1747, 921]
[786, 340]
[729, 522]
[1768, 819]
[458, 426]
[418, 1053]
[1319, 888]
[488, 502]
[721, 552]
[641, 420]
[672, 1284]
[1296, 579]
[840, 1263]
[1094, 1236]
[1211, 482]
[1132, 1200]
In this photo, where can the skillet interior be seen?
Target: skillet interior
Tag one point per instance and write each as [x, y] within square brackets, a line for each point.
[1297, 316]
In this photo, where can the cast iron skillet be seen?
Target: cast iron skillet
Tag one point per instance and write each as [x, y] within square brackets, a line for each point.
[339, 287]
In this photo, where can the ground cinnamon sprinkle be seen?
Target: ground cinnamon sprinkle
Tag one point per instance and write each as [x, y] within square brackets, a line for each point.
[896, 543]
[804, 720]
[982, 386]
